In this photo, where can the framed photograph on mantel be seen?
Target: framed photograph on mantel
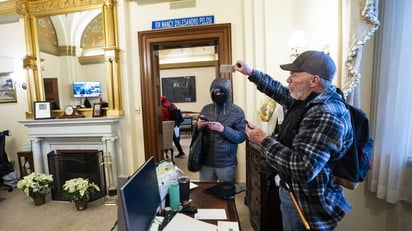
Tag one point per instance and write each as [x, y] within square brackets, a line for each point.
[97, 110]
[7, 90]
[42, 110]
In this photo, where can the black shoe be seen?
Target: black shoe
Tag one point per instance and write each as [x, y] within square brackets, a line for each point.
[180, 154]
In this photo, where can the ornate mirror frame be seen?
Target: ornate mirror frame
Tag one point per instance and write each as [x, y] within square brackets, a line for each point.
[31, 10]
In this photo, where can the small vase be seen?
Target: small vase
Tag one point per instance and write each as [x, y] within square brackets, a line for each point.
[39, 200]
[81, 205]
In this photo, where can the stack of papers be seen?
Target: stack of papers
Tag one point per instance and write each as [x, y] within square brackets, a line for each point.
[227, 226]
[211, 214]
[181, 222]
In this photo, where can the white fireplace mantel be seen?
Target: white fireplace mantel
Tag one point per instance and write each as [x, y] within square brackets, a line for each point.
[101, 133]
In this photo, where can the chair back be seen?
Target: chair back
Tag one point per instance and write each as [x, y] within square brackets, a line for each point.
[168, 127]
[186, 126]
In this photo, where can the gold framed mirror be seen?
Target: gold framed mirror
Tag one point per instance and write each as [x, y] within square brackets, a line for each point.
[34, 12]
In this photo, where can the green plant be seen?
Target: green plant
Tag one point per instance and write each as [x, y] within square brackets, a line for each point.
[36, 184]
[79, 189]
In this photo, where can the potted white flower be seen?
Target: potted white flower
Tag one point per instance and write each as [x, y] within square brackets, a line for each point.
[79, 191]
[37, 186]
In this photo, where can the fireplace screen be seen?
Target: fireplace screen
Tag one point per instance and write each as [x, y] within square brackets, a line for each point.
[68, 164]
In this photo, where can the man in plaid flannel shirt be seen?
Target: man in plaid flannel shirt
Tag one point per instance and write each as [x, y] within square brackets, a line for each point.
[315, 132]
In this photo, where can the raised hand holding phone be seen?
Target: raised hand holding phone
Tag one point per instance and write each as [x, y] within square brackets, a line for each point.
[254, 134]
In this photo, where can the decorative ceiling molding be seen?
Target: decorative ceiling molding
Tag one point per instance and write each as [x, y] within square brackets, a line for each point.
[8, 10]
[187, 65]
[39, 8]
[145, 2]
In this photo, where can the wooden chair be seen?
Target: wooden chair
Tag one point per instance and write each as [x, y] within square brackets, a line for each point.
[168, 127]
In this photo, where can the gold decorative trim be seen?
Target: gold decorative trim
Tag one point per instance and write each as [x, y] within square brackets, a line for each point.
[8, 9]
[41, 8]
[31, 10]
[30, 62]
[67, 50]
[84, 60]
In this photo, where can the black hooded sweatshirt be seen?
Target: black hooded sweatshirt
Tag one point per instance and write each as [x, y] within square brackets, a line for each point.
[220, 149]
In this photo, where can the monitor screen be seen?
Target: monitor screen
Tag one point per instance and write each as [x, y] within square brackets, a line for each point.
[141, 198]
[86, 89]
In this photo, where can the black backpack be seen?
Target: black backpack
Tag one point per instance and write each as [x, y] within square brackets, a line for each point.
[175, 115]
[354, 166]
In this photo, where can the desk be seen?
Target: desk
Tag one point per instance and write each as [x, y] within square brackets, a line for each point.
[203, 200]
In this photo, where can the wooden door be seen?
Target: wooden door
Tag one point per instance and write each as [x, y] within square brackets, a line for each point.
[51, 91]
[218, 35]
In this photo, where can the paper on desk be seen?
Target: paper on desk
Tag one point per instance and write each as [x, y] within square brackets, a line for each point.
[211, 214]
[227, 226]
[181, 222]
[193, 185]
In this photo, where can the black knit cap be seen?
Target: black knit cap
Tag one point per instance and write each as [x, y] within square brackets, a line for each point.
[313, 62]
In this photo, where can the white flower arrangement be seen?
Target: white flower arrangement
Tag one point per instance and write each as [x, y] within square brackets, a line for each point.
[266, 109]
[79, 189]
[36, 184]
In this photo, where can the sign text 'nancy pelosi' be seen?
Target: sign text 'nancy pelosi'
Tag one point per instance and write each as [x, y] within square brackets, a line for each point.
[183, 22]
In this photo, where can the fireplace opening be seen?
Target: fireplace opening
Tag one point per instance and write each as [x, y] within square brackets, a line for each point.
[68, 164]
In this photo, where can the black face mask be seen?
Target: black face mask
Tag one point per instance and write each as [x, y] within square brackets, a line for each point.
[219, 96]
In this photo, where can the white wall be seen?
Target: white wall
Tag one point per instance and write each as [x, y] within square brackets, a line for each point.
[12, 45]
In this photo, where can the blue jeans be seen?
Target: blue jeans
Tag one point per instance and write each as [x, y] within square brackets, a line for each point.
[290, 217]
[214, 174]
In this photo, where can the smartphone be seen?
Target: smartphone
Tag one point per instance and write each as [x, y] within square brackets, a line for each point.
[203, 118]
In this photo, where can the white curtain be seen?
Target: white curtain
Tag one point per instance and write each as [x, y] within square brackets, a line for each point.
[391, 178]
[359, 22]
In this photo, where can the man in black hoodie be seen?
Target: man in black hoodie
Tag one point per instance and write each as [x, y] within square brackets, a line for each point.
[223, 127]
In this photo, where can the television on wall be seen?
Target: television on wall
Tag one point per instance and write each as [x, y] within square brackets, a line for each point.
[87, 89]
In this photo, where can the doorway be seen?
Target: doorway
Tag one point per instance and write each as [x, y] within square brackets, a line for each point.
[218, 35]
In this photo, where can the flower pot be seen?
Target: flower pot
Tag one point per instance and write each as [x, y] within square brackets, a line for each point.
[81, 205]
[39, 199]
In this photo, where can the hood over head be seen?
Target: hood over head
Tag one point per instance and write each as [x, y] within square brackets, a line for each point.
[219, 86]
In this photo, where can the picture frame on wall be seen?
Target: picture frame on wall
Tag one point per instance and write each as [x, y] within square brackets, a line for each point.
[179, 89]
[7, 89]
[42, 110]
[97, 110]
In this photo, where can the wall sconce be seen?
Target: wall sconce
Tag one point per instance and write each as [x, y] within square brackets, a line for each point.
[326, 49]
[296, 42]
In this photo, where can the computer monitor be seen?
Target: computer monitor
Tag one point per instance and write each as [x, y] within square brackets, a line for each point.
[141, 198]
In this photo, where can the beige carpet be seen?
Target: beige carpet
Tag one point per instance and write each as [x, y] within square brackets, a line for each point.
[18, 212]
